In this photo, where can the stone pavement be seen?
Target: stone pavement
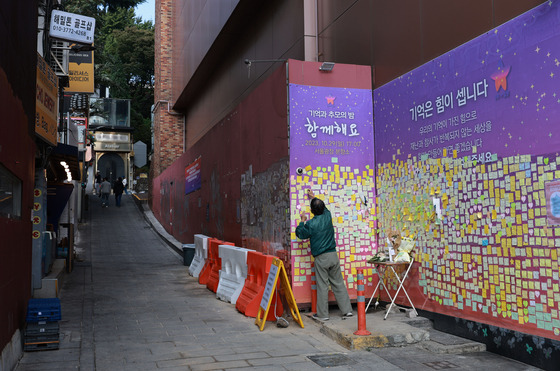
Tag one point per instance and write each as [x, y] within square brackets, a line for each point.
[129, 304]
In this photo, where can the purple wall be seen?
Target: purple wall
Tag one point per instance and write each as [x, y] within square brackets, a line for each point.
[467, 163]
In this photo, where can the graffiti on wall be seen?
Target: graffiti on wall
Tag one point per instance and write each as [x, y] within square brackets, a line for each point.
[264, 209]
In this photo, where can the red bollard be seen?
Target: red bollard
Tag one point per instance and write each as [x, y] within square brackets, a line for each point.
[313, 291]
[361, 306]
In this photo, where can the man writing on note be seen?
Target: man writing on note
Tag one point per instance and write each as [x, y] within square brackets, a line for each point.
[320, 232]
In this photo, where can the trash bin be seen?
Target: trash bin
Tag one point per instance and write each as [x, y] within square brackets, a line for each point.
[188, 253]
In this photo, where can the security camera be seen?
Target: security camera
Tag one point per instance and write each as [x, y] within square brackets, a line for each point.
[299, 170]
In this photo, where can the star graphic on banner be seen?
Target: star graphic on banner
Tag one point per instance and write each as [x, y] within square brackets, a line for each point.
[500, 78]
[330, 99]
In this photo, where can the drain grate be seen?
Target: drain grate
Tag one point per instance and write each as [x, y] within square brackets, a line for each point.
[331, 360]
[440, 365]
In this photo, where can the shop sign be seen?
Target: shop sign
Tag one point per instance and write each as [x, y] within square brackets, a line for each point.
[46, 102]
[72, 27]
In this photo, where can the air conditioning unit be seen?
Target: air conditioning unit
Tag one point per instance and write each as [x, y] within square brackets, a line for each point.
[59, 57]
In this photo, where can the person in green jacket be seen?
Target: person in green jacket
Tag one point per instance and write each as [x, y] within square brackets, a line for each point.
[320, 232]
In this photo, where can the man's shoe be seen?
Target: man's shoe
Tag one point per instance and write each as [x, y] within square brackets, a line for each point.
[348, 315]
[320, 319]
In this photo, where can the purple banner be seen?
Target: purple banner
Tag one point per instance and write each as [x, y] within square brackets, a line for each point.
[330, 126]
[192, 177]
[497, 95]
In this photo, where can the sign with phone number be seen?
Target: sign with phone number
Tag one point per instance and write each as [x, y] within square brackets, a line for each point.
[72, 27]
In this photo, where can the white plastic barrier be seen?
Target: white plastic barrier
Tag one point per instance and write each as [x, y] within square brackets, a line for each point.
[233, 273]
[200, 254]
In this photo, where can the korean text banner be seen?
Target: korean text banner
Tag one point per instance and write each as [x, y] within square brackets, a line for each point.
[329, 126]
[497, 95]
[46, 103]
[192, 177]
[331, 154]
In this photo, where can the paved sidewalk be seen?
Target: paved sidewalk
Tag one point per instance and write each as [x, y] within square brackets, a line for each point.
[130, 304]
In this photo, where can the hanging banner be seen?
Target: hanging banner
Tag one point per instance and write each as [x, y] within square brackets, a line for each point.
[80, 71]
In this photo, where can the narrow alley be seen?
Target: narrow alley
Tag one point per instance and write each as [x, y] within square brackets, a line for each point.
[129, 304]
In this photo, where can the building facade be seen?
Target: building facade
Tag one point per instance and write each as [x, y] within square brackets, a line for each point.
[227, 93]
[39, 177]
[17, 167]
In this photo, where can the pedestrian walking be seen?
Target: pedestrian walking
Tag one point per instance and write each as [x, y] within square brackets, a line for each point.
[125, 184]
[98, 181]
[118, 191]
[320, 232]
[105, 191]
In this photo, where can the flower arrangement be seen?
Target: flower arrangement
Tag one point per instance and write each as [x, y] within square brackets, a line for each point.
[399, 248]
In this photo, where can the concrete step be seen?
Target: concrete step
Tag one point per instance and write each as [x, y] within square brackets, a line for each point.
[51, 284]
[401, 328]
[444, 343]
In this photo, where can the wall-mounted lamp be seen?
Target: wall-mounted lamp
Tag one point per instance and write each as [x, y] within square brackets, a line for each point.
[249, 62]
[327, 66]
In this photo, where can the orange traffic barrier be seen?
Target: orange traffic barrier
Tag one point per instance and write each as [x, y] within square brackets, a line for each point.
[248, 303]
[205, 271]
[215, 263]
[361, 306]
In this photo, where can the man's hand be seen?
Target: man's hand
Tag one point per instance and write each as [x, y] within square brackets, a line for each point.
[303, 217]
[310, 193]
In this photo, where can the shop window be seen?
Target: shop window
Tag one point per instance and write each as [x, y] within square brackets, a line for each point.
[10, 194]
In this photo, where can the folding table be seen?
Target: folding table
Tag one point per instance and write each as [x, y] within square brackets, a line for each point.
[381, 269]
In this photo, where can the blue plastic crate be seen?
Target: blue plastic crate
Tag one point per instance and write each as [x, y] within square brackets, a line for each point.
[39, 310]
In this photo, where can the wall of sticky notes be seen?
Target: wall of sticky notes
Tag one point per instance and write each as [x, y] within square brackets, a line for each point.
[331, 143]
[467, 164]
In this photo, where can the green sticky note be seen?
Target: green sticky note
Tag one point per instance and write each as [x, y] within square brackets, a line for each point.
[546, 161]
[334, 160]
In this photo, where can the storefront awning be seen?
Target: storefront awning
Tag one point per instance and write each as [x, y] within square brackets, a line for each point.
[57, 198]
[64, 157]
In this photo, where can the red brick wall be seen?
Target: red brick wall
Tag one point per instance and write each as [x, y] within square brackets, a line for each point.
[168, 126]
